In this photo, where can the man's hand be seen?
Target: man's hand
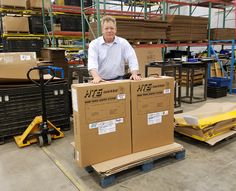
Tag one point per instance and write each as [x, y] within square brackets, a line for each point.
[97, 80]
[135, 76]
[96, 77]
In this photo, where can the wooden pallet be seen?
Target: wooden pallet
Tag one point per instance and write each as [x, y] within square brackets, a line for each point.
[216, 70]
[13, 7]
[138, 42]
[109, 171]
[186, 41]
[16, 32]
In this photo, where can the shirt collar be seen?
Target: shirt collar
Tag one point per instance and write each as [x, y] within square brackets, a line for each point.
[102, 41]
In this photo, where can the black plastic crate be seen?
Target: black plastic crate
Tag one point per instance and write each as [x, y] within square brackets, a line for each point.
[71, 23]
[21, 104]
[36, 24]
[22, 45]
[72, 2]
[87, 3]
[216, 92]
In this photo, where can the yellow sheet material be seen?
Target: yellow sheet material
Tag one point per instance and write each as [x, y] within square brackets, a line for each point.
[206, 122]
[217, 113]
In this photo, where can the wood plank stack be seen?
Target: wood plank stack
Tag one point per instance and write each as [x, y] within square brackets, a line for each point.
[137, 29]
[186, 28]
[197, 79]
[223, 34]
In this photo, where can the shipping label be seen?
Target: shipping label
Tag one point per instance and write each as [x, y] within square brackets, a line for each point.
[154, 118]
[166, 91]
[106, 127]
[120, 96]
[25, 57]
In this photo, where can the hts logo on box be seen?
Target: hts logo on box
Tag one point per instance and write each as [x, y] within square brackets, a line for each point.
[144, 88]
[93, 93]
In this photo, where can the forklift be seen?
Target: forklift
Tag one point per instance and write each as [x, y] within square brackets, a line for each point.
[40, 130]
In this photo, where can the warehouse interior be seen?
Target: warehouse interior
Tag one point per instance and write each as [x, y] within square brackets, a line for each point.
[174, 129]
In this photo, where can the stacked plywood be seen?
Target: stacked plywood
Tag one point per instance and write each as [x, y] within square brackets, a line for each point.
[186, 28]
[137, 29]
[223, 34]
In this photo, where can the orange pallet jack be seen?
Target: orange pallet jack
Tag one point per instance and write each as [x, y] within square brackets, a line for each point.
[40, 130]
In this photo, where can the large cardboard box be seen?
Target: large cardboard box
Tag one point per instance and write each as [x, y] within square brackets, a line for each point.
[12, 3]
[15, 24]
[152, 101]
[147, 55]
[102, 126]
[37, 4]
[14, 66]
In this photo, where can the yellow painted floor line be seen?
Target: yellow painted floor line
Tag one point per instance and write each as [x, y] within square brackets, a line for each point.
[63, 169]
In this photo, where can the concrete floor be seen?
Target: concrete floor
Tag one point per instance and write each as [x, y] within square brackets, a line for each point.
[52, 168]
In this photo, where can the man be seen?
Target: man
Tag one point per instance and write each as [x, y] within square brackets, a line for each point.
[108, 54]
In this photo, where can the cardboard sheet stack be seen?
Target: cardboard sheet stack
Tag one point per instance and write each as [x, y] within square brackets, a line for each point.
[137, 29]
[210, 123]
[186, 28]
[223, 34]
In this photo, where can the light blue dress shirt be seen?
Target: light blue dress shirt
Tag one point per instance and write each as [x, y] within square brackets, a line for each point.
[109, 59]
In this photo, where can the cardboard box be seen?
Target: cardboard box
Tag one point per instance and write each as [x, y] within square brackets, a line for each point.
[102, 126]
[60, 2]
[147, 55]
[12, 3]
[14, 66]
[152, 102]
[56, 27]
[15, 24]
[37, 4]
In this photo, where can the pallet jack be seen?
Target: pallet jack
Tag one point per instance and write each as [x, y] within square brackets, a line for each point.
[40, 129]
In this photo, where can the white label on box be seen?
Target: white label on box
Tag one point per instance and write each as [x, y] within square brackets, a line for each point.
[25, 57]
[119, 120]
[166, 91]
[165, 112]
[105, 127]
[154, 118]
[0, 98]
[74, 100]
[120, 96]
[93, 125]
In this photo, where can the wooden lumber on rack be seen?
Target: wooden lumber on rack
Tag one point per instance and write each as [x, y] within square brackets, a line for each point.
[137, 29]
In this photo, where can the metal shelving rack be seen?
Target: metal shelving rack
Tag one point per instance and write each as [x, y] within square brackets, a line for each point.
[164, 6]
[163, 10]
[20, 11]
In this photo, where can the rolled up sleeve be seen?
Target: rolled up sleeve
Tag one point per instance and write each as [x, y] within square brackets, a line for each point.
[92, 56]
[131, 57]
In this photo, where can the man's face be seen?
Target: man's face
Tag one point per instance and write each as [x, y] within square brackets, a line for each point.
[108, 31]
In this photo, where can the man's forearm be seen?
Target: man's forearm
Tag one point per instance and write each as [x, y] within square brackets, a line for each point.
[96, 77]
[135, 72]
[94, 73]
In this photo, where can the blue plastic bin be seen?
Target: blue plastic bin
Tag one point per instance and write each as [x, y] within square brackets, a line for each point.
[218, 82]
